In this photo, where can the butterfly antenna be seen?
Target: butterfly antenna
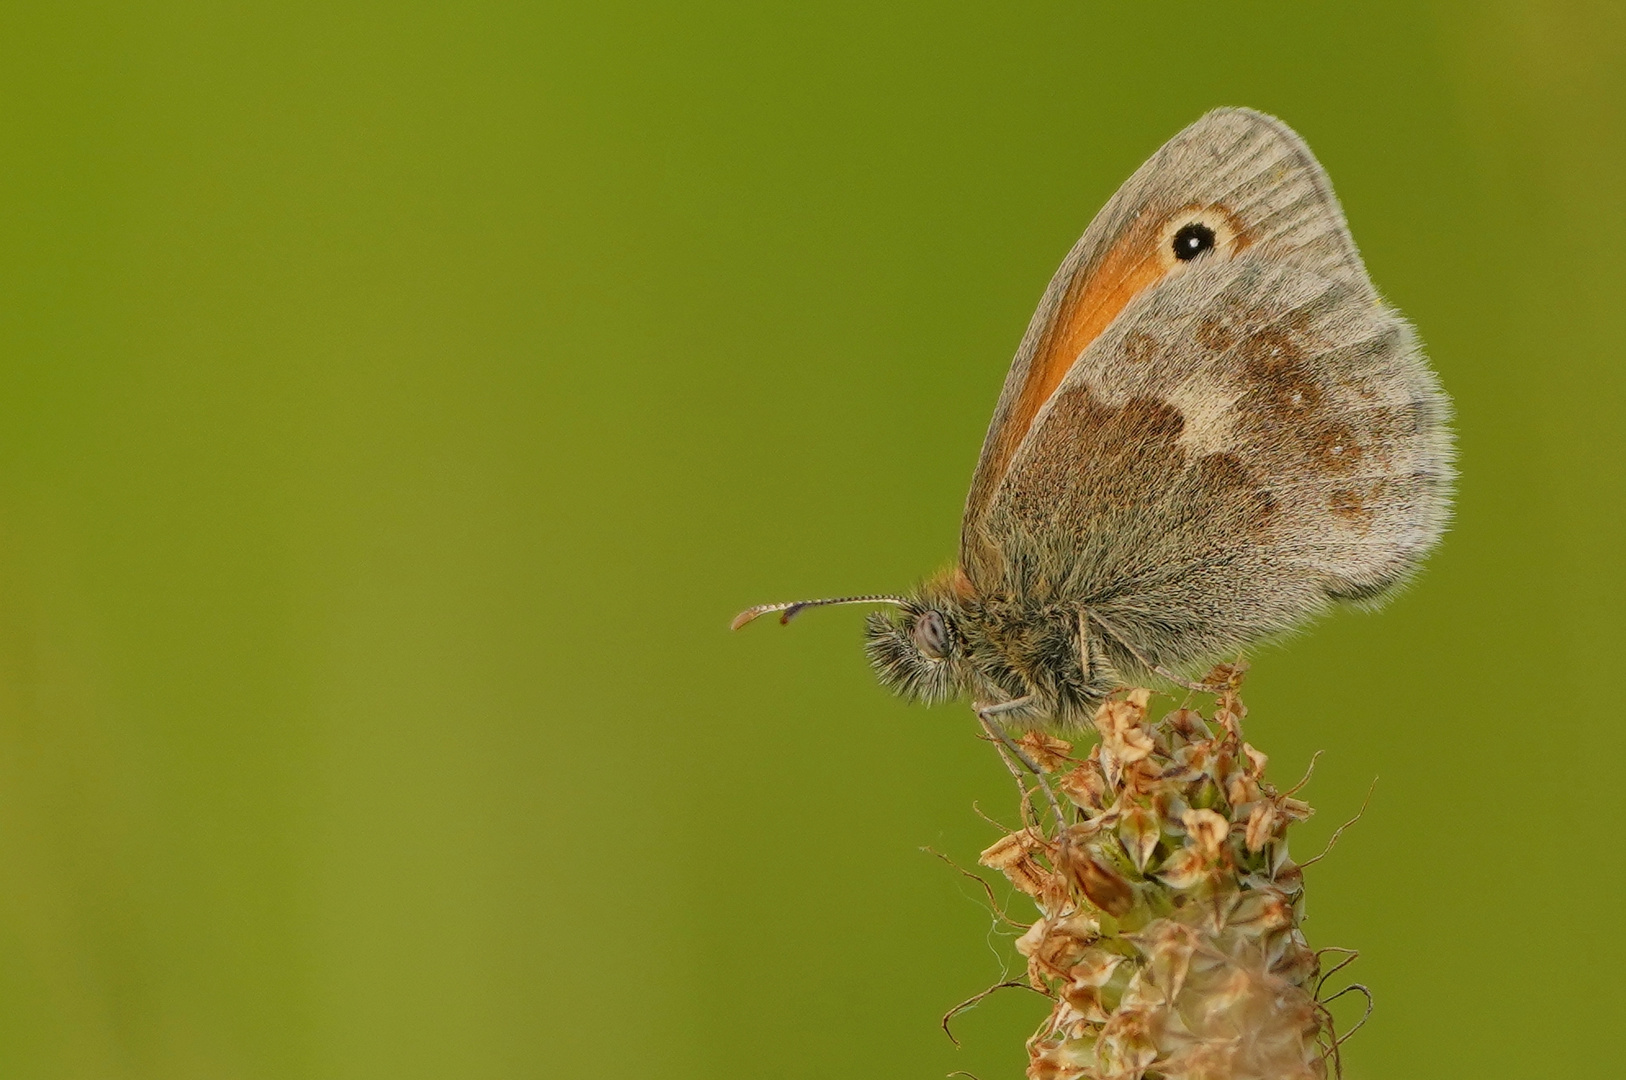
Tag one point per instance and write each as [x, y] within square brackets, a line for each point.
[794, 606]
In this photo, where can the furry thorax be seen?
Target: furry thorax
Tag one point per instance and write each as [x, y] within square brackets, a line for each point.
[939, 644]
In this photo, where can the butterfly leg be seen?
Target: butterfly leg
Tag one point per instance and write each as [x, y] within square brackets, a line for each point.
[1090, 616]
[986, 715]
[1085, 664]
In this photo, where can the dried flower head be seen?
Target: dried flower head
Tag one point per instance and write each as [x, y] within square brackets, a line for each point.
[1168, 934]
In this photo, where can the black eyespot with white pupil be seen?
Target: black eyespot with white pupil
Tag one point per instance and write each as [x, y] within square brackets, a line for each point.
[931, 635]
[1192, 240]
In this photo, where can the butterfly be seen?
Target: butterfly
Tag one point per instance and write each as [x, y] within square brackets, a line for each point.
[1213, 432]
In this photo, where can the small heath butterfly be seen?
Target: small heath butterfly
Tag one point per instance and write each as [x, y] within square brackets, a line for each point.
[1214, 431]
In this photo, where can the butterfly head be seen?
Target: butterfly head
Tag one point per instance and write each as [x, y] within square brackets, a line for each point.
[944, 641]
[919, 650]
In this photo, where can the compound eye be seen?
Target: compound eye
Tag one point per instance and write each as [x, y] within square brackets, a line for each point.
[931, 635]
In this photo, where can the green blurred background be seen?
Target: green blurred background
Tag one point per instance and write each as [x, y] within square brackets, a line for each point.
[398, 399]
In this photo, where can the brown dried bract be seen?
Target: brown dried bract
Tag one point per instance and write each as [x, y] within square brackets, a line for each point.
[1123, 731]
[1047, 751]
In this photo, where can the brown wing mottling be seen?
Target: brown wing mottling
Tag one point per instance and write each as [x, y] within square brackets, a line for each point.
[1239, 448]
[1246, 169]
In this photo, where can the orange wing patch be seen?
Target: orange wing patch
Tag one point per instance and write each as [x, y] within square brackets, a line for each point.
[1091, 305]
[1140, 259]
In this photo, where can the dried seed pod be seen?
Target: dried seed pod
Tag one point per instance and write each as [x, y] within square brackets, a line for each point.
[1168, 936]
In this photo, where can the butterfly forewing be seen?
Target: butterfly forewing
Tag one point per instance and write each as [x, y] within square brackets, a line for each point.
[1208, 451]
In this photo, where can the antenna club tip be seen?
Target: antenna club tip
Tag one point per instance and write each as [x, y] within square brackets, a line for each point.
[744, 617]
